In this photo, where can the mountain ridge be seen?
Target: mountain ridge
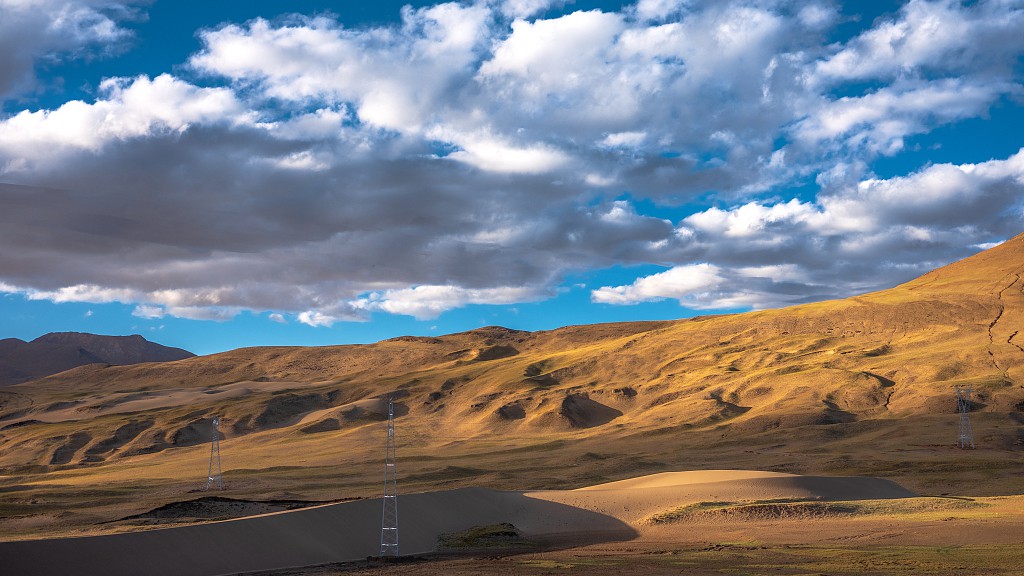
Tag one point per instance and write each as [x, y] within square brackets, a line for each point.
[56, 352]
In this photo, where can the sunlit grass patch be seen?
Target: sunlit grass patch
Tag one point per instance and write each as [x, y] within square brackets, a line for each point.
[924, 508]
[911, 559]
[759, 559]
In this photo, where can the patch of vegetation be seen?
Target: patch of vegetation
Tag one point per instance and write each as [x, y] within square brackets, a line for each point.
[837, 560]
[217, 508]
[676, 514]
[502, 535]
[925, 508]
[715, 508]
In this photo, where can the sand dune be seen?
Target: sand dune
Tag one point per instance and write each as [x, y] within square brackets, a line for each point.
[685, 478]
[351, 530]
[333, 533]
[757, 485]
[635, 499]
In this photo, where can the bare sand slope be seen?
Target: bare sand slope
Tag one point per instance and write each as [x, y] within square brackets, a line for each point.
[635, 499]
[351, 530]
[688, 477]
[333, 533]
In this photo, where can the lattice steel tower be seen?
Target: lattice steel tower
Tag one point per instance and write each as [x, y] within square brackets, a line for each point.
[963, 405]
[389, 518]
[213, 477]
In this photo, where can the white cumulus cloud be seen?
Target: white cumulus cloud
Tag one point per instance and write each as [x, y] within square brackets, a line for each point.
[316, 319]
[527, 8]
[931, 34]
[684, 283]
[428, 302]
[128, 109]
[148, 312]
[475, 153]
[34, 31]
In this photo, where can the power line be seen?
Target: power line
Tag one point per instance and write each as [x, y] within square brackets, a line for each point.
[389, 516]
[963, 404]
[212, 478]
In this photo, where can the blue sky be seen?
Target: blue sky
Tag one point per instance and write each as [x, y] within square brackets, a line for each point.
[306, 173]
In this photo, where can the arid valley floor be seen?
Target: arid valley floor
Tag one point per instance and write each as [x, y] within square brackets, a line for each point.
[499, 426]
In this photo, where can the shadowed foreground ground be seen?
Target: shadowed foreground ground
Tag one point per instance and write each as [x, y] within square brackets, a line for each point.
[332, 533]
[719, 559]
[699, 522]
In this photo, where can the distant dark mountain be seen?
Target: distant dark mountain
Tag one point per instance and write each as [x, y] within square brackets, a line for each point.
[21, 361]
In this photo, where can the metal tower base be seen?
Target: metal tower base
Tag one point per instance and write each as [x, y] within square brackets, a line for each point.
[213, 476]
[389, 516]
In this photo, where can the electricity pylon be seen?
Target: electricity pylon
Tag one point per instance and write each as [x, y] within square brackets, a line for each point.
[963, 405]
[211, 477]
[389, 517]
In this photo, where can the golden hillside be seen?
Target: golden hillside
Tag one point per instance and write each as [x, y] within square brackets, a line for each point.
[856, 386]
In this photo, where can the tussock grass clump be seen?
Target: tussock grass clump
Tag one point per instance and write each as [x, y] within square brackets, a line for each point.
[503, 535]
[758, 510]
[924, 508]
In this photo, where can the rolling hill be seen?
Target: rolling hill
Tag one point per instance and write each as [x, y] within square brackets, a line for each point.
[860, 386]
